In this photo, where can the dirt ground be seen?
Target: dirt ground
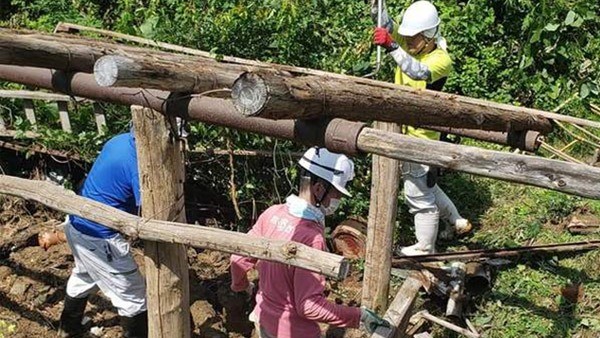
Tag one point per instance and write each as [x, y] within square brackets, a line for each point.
[32, 284]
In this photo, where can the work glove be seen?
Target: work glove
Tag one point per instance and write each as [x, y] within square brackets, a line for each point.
[383, 38]
[371, 321]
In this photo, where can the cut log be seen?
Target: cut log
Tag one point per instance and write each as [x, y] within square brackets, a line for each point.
[177, 75]
[400, 309]
[270, 95]
[576, 179]
[285, 252]
[383, 208]
[162, 172]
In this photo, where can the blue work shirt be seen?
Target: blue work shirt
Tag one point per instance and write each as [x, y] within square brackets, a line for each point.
[113, 181]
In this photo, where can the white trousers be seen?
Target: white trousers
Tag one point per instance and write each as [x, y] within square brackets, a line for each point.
[106, 264]
[420, 198]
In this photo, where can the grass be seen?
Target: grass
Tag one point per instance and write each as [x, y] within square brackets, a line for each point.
[526, 299]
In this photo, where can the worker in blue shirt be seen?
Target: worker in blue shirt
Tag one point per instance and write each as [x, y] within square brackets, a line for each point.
[102, 256]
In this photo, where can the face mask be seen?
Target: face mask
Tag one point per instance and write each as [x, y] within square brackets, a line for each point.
[334, 203]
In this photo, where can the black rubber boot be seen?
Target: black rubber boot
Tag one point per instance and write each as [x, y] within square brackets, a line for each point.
[136, 326]
[71, 317]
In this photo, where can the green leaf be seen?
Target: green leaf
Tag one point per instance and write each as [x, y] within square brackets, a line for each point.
[570, 18]
[584, 91]
[552, 27]
[578, 22]
[148, 27]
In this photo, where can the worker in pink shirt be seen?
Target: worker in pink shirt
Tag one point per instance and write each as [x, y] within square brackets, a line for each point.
[290, 300]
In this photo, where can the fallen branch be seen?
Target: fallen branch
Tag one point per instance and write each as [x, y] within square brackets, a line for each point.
[41, 150]
[285, 252]
[425, 314]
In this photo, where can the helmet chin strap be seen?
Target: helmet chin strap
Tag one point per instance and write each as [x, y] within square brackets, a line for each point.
[319, 200]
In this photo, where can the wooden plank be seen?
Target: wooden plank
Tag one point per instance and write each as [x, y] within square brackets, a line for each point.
[385, 183]
[14, 133]
[30, 113]
[63, 113]
[400, 309]
[162, 173]
[286, 252]
[37, 95]
[100, 118]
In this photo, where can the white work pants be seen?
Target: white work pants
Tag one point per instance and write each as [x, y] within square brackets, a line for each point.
[106, 264]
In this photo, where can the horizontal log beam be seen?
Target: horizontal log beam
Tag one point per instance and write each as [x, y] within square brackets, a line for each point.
[271, 95]
[571, 178]
[285, 252]
[576, 179]
[175, 74]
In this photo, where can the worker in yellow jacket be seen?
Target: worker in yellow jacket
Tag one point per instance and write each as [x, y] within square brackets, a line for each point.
[419, 51]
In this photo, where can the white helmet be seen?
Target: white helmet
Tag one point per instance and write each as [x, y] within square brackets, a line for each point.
[336, 169]
[419, 17]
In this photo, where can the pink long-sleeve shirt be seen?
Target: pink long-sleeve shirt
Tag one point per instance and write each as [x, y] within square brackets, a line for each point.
[290, 300]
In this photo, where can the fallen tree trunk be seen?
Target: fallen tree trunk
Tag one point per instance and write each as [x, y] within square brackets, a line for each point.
[337, 135]
[270, 95]
[285, 252]
[472, 255]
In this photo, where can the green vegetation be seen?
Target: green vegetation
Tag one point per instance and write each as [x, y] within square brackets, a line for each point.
[531, 53]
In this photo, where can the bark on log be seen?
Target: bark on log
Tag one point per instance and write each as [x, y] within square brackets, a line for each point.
[536, 171]
[383, 208]
[162, 172]
[176, 74]
[270, 95]
[399, 311]
[285, 252]
[575, 179]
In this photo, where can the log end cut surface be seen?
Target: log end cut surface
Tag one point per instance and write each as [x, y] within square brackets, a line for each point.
[249, 94]
[106, 70]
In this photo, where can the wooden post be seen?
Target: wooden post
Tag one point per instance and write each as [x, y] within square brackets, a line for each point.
[63, 112]
[385, 183]
[30, 113]
[161, 170]
[100, 118]
[399, 311]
